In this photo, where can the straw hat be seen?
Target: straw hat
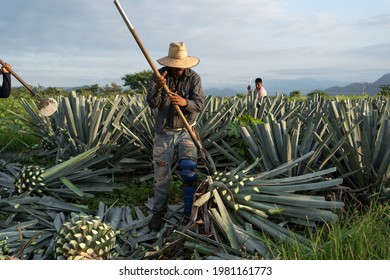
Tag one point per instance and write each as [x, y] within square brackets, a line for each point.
[178, 57]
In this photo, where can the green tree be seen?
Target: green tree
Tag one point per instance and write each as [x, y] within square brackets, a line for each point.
[53, 91]
[92, 89]
[20, 92]
[114, 88]
[385, 90]
[319, 92]
[295, 94]
[139, 81]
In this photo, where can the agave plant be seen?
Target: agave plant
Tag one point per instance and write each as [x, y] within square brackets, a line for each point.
[229, 203]
[212, 123]
[85, 237]
[62, 179]
[12, 244]
[133, 238]
[232, 208]
[358, 144]
[81, 123]
[274, 143]
[294, 155]
[42, 127]
[51, 225]
[25, 240]
[349, 135]
[4, 249]
[280, 131]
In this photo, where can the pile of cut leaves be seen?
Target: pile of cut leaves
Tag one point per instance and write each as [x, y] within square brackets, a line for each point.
[232, 211]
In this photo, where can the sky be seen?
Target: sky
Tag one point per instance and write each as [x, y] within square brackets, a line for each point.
[64, 43]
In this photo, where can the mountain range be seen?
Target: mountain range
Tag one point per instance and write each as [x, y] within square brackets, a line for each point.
[359, 88]
[306, 85]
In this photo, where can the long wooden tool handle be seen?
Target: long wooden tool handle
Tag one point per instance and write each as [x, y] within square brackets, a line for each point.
[20, 80]
[155, 70]
[210, 166]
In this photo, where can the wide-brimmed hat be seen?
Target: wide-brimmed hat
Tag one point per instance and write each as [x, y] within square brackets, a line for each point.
[178, 57]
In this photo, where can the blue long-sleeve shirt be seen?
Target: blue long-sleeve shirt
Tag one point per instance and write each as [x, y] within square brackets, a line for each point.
[189, 87]
[5, 89]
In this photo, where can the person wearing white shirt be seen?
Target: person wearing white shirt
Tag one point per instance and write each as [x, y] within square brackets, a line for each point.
[259, 90]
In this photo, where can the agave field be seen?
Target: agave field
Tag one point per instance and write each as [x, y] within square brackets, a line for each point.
[283, 169]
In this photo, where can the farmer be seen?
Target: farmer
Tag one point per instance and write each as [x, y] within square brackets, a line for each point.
[259, 90]
[170, 134]
[5, 89]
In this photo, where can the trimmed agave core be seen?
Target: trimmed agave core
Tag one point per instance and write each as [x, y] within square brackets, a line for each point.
[29, 179]
[85, 237]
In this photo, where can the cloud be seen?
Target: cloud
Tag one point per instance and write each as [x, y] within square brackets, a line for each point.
[68, 43]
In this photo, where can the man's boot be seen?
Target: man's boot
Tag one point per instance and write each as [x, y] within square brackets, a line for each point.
[156, 221]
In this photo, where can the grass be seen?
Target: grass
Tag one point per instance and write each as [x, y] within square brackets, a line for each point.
[356, 236]
[15, 135]
[135, 193]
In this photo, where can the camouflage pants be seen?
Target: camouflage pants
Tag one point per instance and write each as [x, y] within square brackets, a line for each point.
[165, 146]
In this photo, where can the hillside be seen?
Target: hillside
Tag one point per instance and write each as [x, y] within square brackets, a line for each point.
[359, 88]
[307, 85]
[221, 92]
[304, 85]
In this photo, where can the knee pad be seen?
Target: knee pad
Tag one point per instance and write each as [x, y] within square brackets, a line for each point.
[187, 171]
